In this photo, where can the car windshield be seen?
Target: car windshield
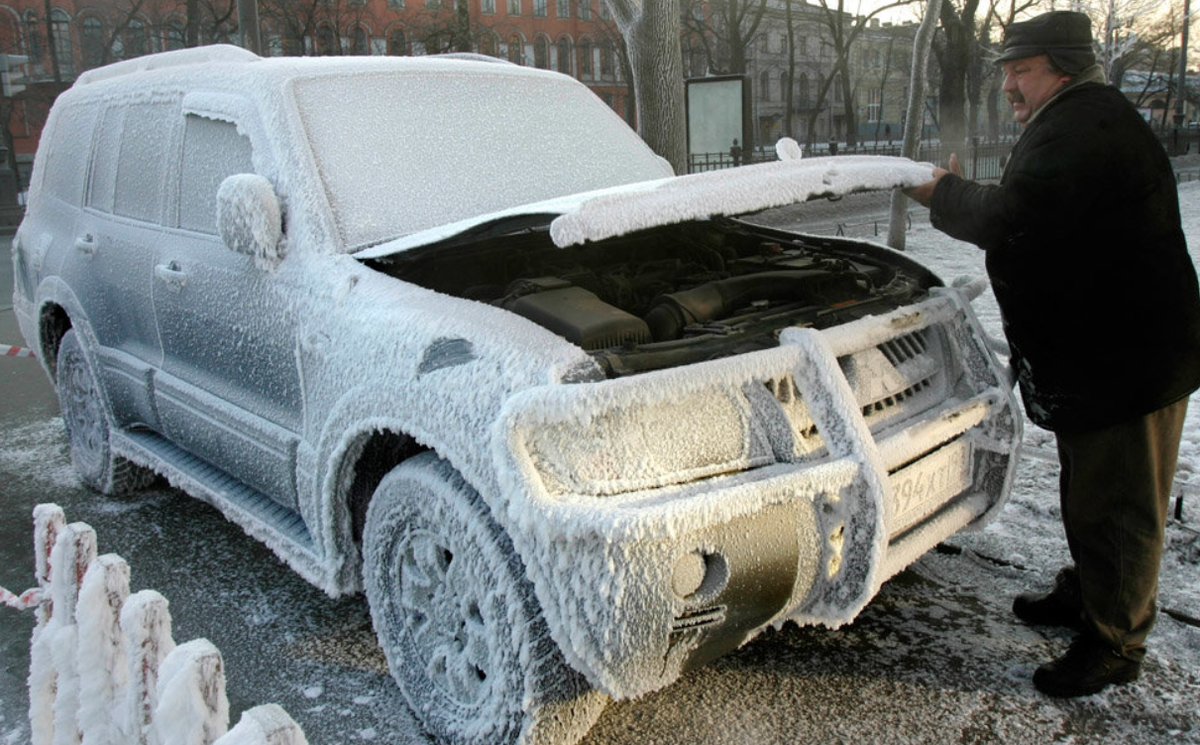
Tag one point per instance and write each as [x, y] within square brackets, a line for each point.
[404, 152]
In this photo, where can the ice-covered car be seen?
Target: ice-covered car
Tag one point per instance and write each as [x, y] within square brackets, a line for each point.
[448, 332]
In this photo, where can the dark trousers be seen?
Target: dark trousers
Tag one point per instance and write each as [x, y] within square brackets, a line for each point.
[1115, 488]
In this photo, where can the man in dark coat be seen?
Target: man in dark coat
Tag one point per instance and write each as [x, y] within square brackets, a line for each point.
[1099, 299]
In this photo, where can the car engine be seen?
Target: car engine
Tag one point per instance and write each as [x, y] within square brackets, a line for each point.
[667, 296]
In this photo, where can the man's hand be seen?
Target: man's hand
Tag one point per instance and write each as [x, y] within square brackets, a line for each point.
[923, 193]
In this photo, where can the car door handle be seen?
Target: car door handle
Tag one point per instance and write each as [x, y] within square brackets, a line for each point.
[174, 277]
[86, 244]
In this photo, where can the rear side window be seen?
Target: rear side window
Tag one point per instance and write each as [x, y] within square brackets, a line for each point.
[104, 159]
[142, 160]
[212, 151]
[66, 158]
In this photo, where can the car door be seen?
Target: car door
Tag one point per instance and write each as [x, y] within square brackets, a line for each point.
[109, 266]
[229, 390]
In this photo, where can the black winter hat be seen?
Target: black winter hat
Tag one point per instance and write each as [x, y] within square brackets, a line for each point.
[1064, 35]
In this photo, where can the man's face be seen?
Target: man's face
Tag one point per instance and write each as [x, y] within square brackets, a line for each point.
[1029, 83]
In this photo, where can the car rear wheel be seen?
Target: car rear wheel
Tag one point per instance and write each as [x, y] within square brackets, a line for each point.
[87, 424]
[457, 619]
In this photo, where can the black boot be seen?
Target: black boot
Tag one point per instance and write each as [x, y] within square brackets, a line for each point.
[1062, 606]
[1088, 667]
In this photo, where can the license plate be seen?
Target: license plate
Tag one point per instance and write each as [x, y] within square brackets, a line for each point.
[920, 488]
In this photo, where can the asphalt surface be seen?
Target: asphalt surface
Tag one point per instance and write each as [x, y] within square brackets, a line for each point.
[935, 658]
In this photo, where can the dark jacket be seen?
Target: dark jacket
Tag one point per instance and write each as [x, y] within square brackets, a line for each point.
[1088, 262]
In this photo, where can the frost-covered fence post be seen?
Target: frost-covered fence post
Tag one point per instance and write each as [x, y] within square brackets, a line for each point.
[192, 708]
[268, 724]
[74, 551]
[103, 668]
[146, 626]
[103, 673]
[48, 521]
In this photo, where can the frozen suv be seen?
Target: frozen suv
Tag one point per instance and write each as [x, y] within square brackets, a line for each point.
[445, 331]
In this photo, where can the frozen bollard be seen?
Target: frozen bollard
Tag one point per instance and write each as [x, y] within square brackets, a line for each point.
[268, 724]
[48, 522]
[103, 671]
[192, 708]
[73, 552]
[146, 627]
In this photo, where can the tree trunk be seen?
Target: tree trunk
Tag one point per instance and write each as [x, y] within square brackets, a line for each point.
[912, 127]
[651, 31]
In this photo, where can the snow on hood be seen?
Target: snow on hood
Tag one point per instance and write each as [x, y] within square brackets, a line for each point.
[607, 213]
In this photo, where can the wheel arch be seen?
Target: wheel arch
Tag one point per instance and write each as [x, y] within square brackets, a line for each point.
[53, 324]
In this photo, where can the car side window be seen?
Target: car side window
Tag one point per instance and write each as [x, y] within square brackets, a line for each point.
[212, 151]
[142, 160]
[103, 177]
[66, 162]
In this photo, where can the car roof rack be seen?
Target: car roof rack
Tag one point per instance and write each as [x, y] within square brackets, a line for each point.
[214, 53]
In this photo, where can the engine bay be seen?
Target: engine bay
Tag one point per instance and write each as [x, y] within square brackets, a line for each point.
[668, 296]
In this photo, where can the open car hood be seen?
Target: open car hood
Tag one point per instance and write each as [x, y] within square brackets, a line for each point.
[596, 215]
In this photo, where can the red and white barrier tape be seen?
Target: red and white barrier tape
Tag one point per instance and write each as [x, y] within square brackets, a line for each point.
[7, 351]
[31, 598]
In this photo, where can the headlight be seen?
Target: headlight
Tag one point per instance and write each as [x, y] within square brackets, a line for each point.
[629, 445]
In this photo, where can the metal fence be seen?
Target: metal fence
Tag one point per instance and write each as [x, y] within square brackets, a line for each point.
[983, 160]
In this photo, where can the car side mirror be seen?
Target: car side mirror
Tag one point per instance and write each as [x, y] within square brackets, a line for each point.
[249, 218]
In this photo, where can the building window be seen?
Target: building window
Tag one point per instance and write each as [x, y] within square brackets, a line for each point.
[539, 8]
[541, 53]
[35, 42]
[61, 24]
[585, 58]
[397, 43]
[176, 35]
[783, 86]
[803, 92]
[874, 104]
[564, 55]
[585, 10]
[326, 41]
[764, 85]
[395, 4]
[360, 42]
[433, 4]
[606, 60]
[133, 41]
[91, 42]
[562, 8]
[487, 6]
[514, 7]
[515, 54]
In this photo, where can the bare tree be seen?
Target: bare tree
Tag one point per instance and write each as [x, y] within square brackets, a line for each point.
[912, 128]
[844, 29]
[651, 29]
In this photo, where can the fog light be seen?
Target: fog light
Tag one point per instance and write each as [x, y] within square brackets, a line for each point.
[699, 575]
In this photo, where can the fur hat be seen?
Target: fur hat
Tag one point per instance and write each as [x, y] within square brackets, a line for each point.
[1064, 35]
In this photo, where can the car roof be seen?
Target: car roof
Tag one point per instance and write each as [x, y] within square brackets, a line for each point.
[199, 66]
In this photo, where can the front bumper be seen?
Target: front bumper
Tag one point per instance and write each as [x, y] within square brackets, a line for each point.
[911, 432]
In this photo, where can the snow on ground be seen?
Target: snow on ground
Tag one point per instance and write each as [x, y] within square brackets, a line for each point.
[936, 658]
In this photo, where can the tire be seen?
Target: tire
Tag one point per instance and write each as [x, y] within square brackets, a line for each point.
[458, 621]
[88, 427]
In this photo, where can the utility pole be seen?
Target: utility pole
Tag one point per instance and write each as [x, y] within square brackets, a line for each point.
[1181, 88]
[248, 25]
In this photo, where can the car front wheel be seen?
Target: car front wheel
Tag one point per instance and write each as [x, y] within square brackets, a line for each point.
[87, 424]
[458, 621]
